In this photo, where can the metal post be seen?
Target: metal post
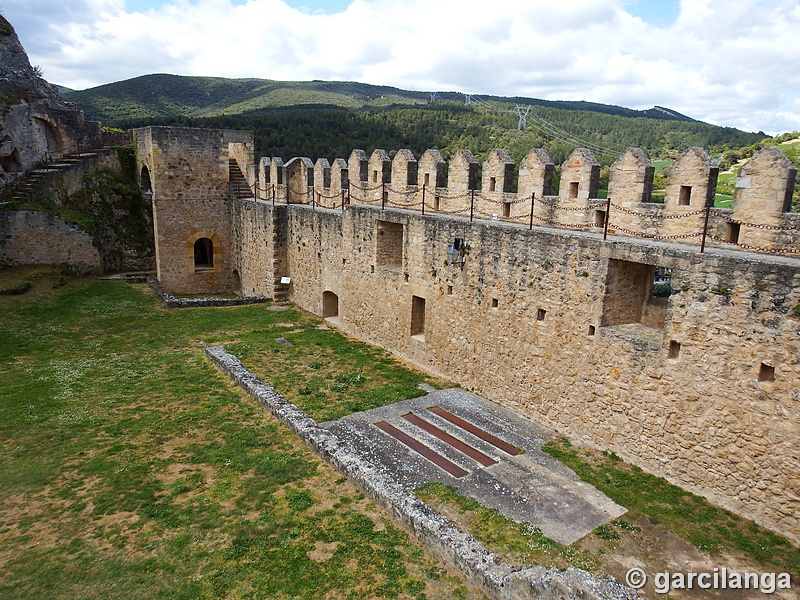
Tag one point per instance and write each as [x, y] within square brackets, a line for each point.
[383, 196]
[533, 196]
[471, 205]
[608, 216]
[423, 199]
[313, 207]
[342, 200]
[705, 230]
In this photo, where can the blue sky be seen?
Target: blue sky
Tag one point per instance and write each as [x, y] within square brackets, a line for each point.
[657, 12]
[728, 63]
[309, 6]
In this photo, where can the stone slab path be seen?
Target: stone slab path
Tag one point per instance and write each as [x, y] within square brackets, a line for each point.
[483, 450]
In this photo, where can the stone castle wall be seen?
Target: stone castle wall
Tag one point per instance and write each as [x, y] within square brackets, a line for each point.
[681, 358]
[700, 387]
[42, 237]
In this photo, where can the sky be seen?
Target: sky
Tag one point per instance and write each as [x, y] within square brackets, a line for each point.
[731, 63]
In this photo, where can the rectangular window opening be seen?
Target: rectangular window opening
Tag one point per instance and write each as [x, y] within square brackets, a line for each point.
[506, 210]
[427, 181]
[540, 314]
[389, 246]
[685, 195]
[492, 183]
[636, 293]
[495, 302]
[417, 316]
[732, 233]
[766, 372]
[449, 290]
[599, 218]
[674, 349]
[573, 189]
[592, 330]
[662, 283]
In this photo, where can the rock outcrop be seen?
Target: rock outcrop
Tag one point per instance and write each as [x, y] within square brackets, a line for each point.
[36, 124]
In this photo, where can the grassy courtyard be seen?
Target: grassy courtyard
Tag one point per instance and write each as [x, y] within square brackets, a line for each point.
[130, 468]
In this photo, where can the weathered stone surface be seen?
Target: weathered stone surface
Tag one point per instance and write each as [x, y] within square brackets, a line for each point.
[42, 237]
[35, 122]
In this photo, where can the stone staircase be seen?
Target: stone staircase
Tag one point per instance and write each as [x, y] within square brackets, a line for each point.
[24, 188]
[239, 186]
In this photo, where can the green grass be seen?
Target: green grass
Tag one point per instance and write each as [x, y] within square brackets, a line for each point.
[325, 373]
[691, 517]
[131, 468]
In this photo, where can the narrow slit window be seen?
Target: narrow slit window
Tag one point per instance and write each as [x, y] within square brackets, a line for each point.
[417, 316]
[540, 314]
[674, 349]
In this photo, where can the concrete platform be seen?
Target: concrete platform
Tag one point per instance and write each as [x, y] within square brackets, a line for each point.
[485, 451]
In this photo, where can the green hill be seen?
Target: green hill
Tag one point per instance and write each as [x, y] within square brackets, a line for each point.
[175, 95]
[329, 119]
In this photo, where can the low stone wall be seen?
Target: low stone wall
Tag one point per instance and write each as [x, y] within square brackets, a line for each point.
[499, 580]
[30, 237]
[171, 301]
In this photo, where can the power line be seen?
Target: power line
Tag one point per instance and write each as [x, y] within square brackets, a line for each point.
[544, 126]
[523, 117]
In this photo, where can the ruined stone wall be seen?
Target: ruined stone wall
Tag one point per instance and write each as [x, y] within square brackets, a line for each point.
[700, 387]
[40, 237]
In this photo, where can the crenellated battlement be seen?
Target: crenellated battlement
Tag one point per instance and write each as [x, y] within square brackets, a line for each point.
[499, 189]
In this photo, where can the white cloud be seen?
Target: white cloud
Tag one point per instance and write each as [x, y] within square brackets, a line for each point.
[727, 63]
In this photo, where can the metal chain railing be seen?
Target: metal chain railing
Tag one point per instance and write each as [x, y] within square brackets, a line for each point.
[358, 194]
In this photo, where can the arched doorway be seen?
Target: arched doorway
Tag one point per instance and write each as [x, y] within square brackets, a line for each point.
[203, 254]
[330, 305]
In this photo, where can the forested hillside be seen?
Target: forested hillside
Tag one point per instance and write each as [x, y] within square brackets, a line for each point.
[328, 119]
[326, 132]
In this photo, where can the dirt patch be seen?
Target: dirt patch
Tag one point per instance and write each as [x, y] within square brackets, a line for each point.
[322, 551]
